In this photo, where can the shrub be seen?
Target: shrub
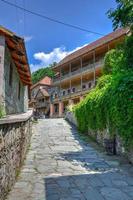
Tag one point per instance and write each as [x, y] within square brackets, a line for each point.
[2, 112]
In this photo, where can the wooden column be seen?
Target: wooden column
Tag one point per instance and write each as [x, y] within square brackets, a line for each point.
[70, 69]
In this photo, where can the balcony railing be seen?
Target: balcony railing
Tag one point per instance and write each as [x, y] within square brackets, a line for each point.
[79, 70]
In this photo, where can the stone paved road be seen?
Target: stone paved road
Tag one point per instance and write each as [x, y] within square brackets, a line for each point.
[60, 166]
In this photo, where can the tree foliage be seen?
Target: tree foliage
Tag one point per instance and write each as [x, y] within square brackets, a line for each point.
[122, 16]
[41, 73]
[113, 61]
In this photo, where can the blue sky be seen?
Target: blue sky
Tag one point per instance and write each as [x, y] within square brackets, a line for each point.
[47, 41]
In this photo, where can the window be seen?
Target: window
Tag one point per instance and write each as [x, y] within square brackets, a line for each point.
[68, 91]
[19, 90]
[83, 87]
[64, 93]
[10, 74]
[73, 90]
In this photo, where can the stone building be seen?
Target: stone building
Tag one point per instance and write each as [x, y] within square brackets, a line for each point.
[15, 76]
[40, 96]
[78, 72]
[15, 118]
[42, 102]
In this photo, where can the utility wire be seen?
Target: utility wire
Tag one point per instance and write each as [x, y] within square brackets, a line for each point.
[51, 19]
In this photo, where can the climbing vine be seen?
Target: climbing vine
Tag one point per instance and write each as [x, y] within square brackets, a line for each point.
[110, 104]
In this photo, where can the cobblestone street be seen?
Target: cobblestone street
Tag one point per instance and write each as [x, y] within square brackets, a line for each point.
[61, 166]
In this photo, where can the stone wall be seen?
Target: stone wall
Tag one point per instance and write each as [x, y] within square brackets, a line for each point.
[15, 133]
[9, 98]
[12, 103]
[70, 117]
[101, 136]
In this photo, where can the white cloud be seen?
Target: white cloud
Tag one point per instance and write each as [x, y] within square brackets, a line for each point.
[28, 38]
[54, 56]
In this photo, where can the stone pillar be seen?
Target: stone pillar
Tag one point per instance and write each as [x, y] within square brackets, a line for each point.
[2, 81]
[61, 108]
[51, 110]
[70, 102]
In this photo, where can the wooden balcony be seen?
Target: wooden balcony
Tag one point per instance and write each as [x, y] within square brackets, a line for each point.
[88, 68]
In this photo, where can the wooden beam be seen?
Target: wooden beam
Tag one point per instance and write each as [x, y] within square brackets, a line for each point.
[24, 74]
[24, 68]
[26, 82]
[25, 78]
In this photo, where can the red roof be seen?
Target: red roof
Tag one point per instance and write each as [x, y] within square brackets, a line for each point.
[45, 81]
[116, 34]
[17, 50]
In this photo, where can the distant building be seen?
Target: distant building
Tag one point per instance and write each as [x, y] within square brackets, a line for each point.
[15, 76]
[78, 72]
[40, 96]
[42, 102]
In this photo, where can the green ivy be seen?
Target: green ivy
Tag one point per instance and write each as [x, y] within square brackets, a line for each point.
[110, 104]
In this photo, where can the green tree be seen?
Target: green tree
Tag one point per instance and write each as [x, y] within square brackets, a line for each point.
[113, 61]
[122, 16]
[41, 73]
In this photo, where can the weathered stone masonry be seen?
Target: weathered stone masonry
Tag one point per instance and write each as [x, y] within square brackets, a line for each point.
[15, 133]
[101, 136]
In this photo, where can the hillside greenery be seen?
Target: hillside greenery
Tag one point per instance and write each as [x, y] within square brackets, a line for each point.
[41, 73]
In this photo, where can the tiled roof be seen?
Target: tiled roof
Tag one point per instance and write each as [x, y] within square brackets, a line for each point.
[45, 81]
[17, 50]
[116, 34]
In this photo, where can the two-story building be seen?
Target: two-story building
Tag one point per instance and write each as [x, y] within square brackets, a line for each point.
[15, 76]
[78, 72]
